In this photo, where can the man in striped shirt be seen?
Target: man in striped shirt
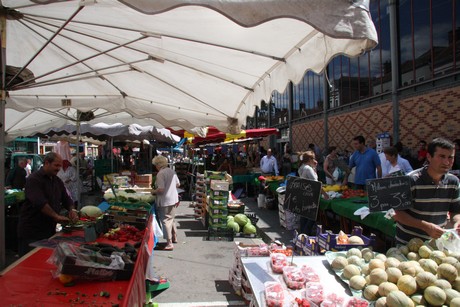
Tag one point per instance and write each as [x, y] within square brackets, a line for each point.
[435, 192]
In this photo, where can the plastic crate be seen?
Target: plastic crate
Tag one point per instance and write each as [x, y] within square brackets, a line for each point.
[218, 202]
[216, 194]
[328, 240]
[220, 234]
[216, 211]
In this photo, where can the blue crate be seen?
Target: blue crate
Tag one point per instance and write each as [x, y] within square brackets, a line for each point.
[328, 240]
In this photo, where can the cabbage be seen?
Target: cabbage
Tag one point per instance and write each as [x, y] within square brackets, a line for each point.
[249, 229]
[233, 225]
[241, 219]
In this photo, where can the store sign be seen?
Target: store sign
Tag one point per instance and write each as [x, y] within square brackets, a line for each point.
[302, 197]
[389, 193]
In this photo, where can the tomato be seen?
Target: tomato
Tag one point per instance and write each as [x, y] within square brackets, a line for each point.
[65, 279]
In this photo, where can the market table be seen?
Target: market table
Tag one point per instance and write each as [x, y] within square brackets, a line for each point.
[29, 281]
[246, 179]
[273, 185]
[258, 271]
[346, 208]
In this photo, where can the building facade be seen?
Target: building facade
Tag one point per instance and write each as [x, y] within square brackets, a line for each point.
[408, 85]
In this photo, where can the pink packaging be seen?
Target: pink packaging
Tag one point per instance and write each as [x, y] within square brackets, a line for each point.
[314, 292]
[309, 273]
[357, 302]
[274, 294]
[278, 261]
[333, 300]
[293, 277]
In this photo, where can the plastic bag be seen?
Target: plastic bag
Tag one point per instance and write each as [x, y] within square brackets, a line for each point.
[449, 241]
[337, 174]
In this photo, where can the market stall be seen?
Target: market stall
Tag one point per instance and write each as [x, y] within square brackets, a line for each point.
[258, 271]
[419, 273]
[30, 279]
[346, 208]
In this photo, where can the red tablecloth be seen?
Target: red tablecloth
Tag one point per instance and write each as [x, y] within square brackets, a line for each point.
[29, 282]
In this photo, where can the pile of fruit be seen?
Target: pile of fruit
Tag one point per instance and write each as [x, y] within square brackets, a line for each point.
[241, 223]
[410, 275]
[349, 193]
[334, 188]
[274, 178]
[125, 233]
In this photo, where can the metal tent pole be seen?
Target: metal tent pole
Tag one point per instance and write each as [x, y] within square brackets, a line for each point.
[78, 166]
[2, 141]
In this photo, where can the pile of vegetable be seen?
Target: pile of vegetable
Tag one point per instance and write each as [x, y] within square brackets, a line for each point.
[125, 233]
[410, 275]
[128, 196]
[241, 223]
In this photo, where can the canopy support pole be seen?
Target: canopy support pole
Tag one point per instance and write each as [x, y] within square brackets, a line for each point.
[78, 166]
[2, 142]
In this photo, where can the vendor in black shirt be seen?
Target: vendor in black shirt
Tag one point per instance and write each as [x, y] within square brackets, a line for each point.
[46, 196]
[16, 178]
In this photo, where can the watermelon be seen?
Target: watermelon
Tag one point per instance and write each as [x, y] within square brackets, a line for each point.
[233, 225]
[241, 219]
[249, 229]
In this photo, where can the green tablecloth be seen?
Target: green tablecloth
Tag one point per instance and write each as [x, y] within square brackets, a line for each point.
[347, 208]
[274, 184]
[248, 178]
[325, 204]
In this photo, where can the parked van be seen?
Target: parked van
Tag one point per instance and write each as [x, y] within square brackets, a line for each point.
[36, 161]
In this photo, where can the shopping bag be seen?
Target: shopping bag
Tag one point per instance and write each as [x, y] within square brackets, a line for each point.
[449, 241]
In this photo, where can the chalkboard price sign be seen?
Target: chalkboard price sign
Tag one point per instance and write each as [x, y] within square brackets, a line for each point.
[302, 197]
[389, 193]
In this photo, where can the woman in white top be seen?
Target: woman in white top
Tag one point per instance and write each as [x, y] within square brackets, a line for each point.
[68, 175]
[167, 198]
[307, 170]
[394, 163]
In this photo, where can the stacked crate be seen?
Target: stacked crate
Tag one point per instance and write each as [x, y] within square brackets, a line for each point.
[236, 275]
[288, 220]
[200, 196]
[218, 211]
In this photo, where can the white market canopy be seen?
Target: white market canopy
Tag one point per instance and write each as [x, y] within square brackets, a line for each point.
[168, 63]
[116, 132]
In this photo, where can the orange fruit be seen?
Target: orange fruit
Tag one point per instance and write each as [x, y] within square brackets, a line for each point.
[65, 279]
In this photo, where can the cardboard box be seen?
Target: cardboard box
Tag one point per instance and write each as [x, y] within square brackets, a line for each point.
[220, 185]
[143, 180]
[72, 260]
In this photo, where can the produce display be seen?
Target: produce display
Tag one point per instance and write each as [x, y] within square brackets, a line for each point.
[274, 178]
[128, 196]
[342, 191]
[314, 292]
[274, 294]
[409, 275]
[90, 212]
[125, 233]
[278, 261]
[309, 273]
[241, 223]
[294, 277]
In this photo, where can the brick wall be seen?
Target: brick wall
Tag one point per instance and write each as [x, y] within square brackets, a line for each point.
[421, 117]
